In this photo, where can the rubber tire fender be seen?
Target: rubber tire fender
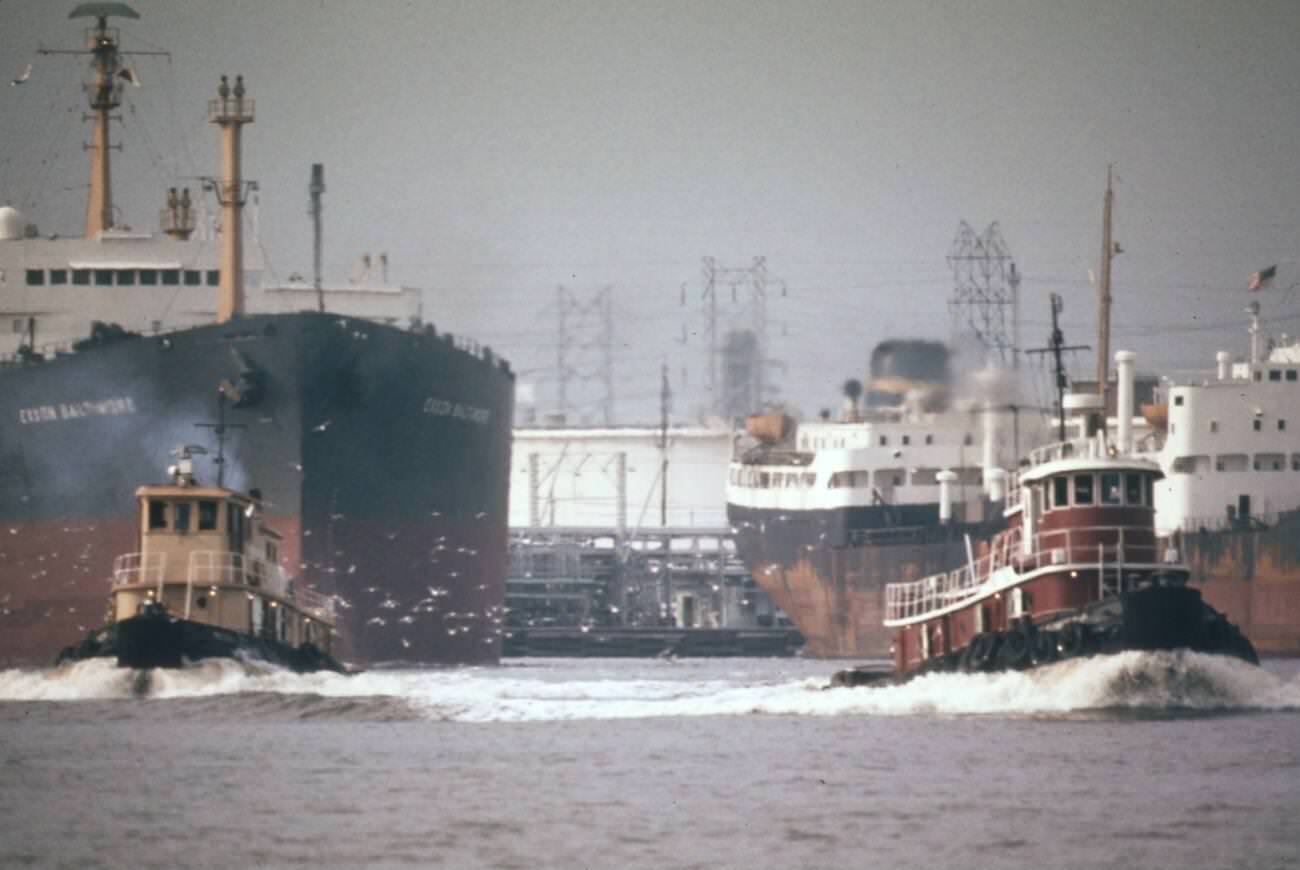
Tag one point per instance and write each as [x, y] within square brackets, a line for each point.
[1076, 638]
[1015, 650]
[979, 652]
[1044, 651]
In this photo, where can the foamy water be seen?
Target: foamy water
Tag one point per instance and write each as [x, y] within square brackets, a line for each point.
[1140, 760]
[551, 690]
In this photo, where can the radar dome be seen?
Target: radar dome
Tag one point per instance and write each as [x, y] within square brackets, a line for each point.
[11, 224]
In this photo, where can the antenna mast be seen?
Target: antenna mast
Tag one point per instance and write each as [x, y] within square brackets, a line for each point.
[219, 429]
[1108, 251]
[1056, 347]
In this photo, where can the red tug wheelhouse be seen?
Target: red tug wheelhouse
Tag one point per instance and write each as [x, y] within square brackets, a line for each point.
[1078, 571]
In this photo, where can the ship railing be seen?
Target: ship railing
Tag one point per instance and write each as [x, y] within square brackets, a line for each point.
[1223, 523]
[139, 569]
[222, 568]
[64, 347]
[1113, 546]
[315, 604]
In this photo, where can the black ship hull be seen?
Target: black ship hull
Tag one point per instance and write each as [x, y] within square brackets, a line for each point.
[827, 569]
[156, 640]
[382, 456]
[1148, 619]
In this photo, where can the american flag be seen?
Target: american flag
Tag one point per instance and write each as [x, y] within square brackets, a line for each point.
[1262, 279]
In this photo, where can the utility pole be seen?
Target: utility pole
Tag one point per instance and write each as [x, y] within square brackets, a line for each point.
[665, 397]
[315, 189]
[1056, 347]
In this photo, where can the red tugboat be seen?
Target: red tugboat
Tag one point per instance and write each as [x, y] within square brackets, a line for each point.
[1077, 572]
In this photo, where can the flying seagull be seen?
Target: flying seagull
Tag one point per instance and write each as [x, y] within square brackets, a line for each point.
[27, 73]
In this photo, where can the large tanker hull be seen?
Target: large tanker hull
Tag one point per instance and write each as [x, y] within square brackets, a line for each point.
[830, 582]
[1252, 576]
[382, 457]
[828, 569]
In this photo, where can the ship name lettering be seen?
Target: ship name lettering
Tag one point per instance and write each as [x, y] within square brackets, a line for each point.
[115, 406]
[459, 410]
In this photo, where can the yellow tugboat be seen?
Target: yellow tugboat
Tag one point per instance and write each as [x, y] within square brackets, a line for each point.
[206, 583]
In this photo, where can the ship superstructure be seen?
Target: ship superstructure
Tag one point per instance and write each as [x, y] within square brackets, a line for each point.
[827, 512]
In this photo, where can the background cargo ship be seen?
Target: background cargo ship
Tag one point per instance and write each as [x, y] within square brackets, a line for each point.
[830, 513]
[381, 450]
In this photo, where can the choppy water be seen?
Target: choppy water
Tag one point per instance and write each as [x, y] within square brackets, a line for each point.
[1142, 760]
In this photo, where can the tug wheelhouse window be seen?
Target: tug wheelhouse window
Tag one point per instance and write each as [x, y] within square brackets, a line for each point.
[182, 516]
[235, 526]
[157, 514]
[1133, 488]
[1060, 492]
[1110, 491]
[207, 515]
[1083, 489]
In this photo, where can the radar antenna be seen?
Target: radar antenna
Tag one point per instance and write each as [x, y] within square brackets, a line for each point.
[219, 430]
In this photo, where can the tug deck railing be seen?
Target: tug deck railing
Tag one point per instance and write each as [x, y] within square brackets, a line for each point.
[1091, 547]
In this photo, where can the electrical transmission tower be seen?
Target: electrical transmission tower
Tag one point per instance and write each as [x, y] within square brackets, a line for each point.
[986, 292]
[584, 347]
[743, 347]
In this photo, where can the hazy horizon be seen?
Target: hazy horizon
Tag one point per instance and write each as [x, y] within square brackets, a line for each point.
[497, 150]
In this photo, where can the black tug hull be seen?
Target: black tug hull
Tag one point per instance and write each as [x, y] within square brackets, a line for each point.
[1152, 618]
[161, 641]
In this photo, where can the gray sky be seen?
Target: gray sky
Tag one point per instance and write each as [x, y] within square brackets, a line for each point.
[496, 150]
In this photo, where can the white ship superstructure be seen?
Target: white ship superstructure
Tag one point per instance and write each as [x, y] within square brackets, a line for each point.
[953, 459]
[1231, 449]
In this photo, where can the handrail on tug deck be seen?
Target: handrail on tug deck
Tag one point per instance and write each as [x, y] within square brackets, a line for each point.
[221, 568]
[1059, 548]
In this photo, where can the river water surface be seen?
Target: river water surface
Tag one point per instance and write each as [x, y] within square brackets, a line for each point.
[1140, 760]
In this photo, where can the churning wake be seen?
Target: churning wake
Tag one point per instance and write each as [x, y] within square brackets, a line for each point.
[549, 690]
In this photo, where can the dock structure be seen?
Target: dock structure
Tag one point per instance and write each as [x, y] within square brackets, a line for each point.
[664, 590]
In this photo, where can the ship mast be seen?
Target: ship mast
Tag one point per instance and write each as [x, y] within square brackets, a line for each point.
[1108, 251]
[105, 95]
[231, 111]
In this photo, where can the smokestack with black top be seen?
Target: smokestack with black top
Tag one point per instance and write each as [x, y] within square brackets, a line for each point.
[231, 111]
[852, 395]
